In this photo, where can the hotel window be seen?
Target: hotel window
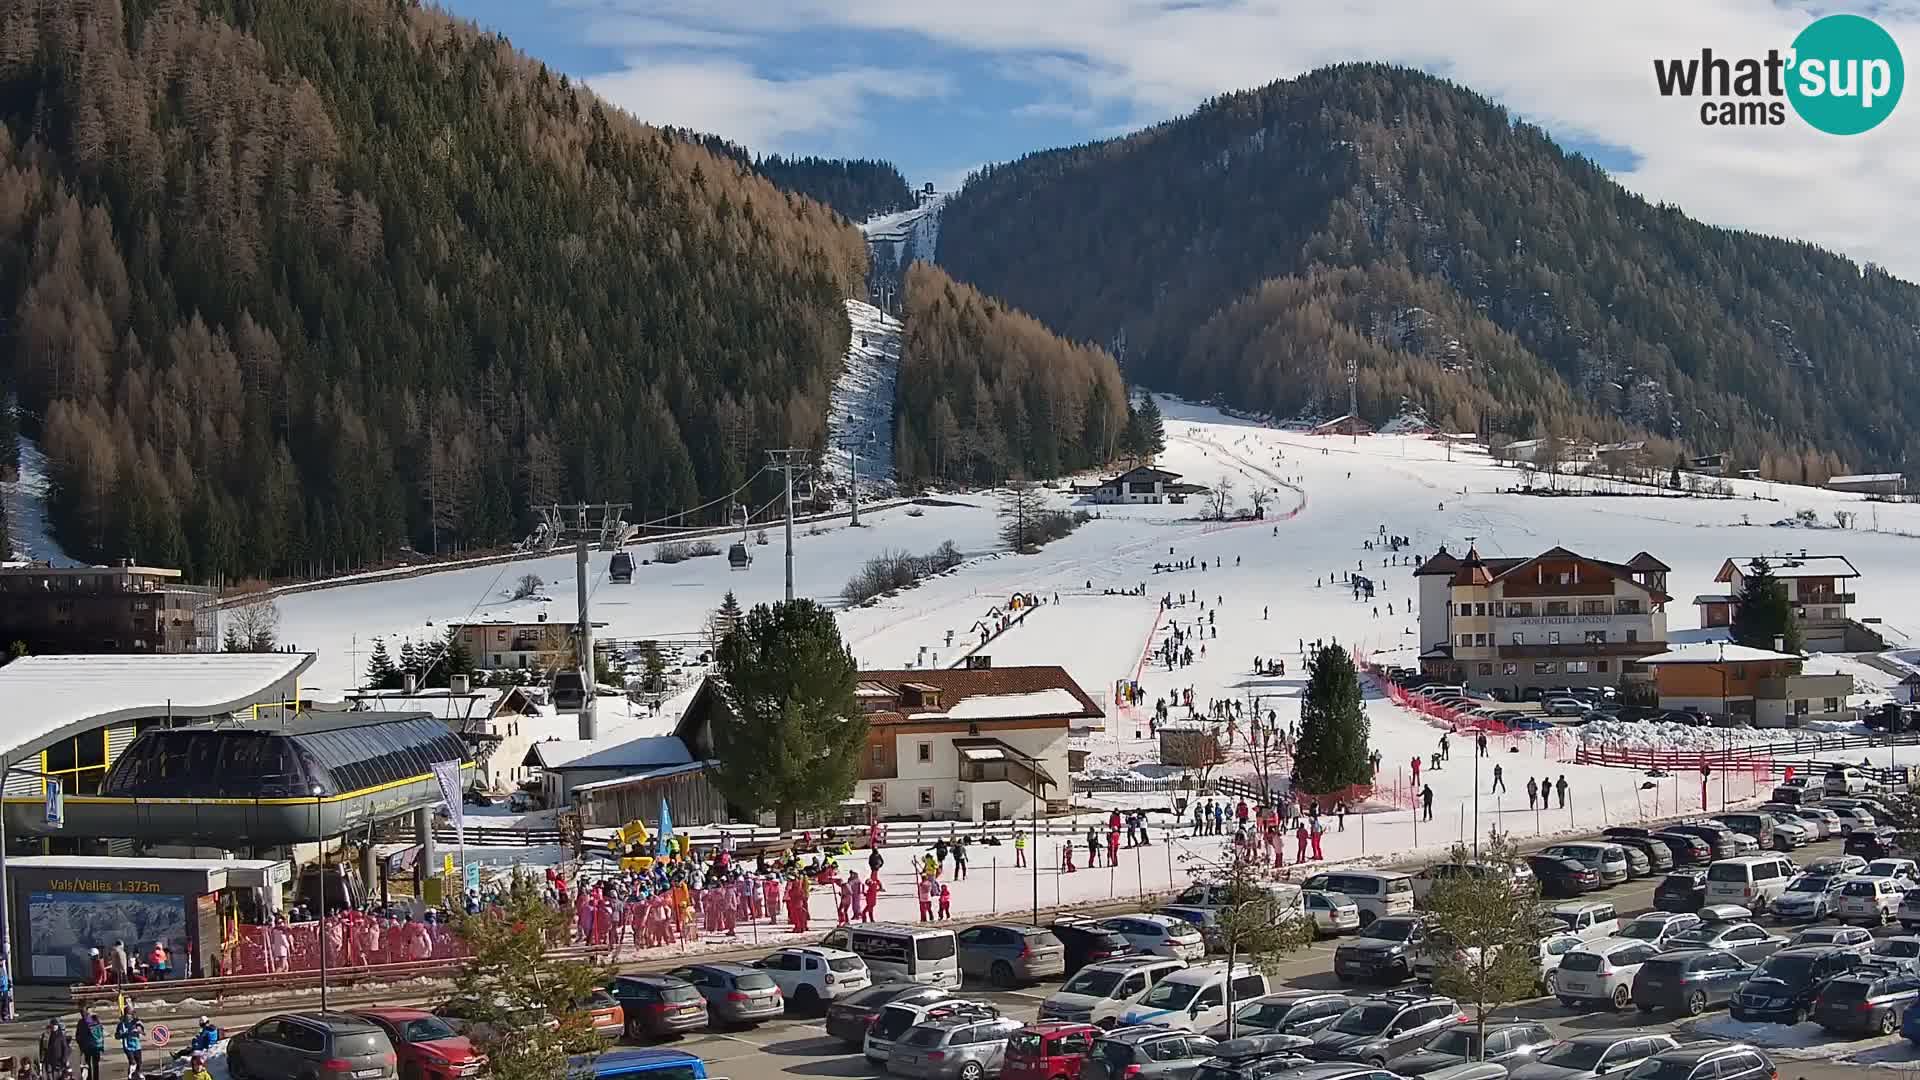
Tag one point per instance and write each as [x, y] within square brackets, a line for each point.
[1553, 637]
[1509, 669]
[1546, 667]
[1520, 609]
[1799, 706]
[1596, 637]
[1831, 704]
[1600, 666]
[1633, 635]
[1486, 669]
[925, 752]
[1479, 609]
[1627, 607]
[1466, 641]
[1593, 607]
[1466, 610]
[1566, 578]
[1519, 638]
[1480, 641]
[926, 798]
[1558, 607]
[1576, 667]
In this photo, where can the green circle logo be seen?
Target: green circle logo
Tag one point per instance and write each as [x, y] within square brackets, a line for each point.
[1847, 74]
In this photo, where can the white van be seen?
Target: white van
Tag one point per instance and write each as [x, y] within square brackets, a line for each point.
[1377, 893]
[1099, 993]
[1752, 881]
[894, 951]
[1847, 781]
[1588, 920]
[1290, 898]
[1196, 997]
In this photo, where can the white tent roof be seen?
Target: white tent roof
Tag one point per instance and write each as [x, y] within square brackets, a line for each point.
[1711, 653]
[44, 695]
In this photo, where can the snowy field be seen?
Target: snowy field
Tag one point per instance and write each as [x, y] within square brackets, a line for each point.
[860, 412]
[1264, 588]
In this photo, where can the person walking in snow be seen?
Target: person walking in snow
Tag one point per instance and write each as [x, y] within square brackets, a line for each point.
[1499, 781]
[1446, 751]
[1317, 831]
[1300, 838]
[1533, 793]
[1426, 802]
[1481, 741]
[1093, 846]
[1416, 768]
[1561, 789]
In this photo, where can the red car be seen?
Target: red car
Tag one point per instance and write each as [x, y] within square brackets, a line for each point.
[1050, 1050]
[427, 1048]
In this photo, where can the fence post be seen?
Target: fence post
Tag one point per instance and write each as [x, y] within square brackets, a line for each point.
[1603, 805]
[993, 868]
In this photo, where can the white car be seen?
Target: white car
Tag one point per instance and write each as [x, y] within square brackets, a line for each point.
[1565, 706]
[1548, 954]
[1810, 896]
[1904, 872]
[1601, 971]
[1332, 913]
[1837, 866]
[1159, 935]
[1909, 911]
[1100, 993]
[810, 976]
[1870, 900]
[1655, 927]
[1816, 825]
[1843, 937]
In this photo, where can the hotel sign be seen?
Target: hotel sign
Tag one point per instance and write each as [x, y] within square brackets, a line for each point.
[1560, 620]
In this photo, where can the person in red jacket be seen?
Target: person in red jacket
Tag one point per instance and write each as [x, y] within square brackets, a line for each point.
[101, 975]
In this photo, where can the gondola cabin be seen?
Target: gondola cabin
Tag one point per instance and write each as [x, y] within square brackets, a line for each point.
[569, 691]
[620, 569]
[738, 556]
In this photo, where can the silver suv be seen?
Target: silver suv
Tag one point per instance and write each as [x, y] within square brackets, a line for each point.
[954, 1047]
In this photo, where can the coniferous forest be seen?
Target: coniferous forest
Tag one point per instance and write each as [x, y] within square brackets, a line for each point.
[1469, 264]
[986, 392]
[858, 188]
[286, 284]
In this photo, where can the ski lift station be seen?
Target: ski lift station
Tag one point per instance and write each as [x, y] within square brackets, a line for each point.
[203, 754]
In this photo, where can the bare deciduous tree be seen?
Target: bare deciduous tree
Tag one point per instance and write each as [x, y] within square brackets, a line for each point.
[1220, 499]
[253, 626]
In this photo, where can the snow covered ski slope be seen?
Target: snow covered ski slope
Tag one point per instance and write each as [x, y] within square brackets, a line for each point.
[860, 411]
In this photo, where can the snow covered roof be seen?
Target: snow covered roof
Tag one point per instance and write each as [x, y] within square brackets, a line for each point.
[1035, 692]
[1791, 566]
[654, 773]
[1706, 653]
[1442, 562]
[478, 704]
[609, 753]
[1865, 478]
[1714, 598]
[43, 696]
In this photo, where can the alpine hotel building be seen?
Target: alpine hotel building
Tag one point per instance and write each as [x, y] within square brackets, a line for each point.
[1556, 619]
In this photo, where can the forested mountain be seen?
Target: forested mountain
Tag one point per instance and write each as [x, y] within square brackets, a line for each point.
[986, 392]
[858, 188]
[289, 283]
[1470, 264]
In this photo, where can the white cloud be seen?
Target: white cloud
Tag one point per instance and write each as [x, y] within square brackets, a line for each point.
[765, 113]
[1580, 70]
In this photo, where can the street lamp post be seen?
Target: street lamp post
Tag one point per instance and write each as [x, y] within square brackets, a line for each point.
[319, 859]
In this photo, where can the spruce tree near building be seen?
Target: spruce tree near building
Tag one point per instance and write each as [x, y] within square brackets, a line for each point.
[1332, 749]
[381, 673]
[1765, 613]
[791, 735]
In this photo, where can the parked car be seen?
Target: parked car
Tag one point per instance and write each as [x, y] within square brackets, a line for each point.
[1289, 1012]
[1904, 872]
[1159, 935]
[951, 1047]
[606, 1014]
[1853, 815]
[1867, 1001]
[1150, 1053]
[1197, 996]
[1563, 706]
[425, 1047]
[1783, 989]
[1384, 1027]
[1254, 1057]
[1682, 890]
[1902, 951]
[1601, 971]
[1048, 1051]
[1009, 953]
[1562, 878]
[1688, 981]
[1752, 881]
[849, 1018]
[1845, 937]
[1817, 826]
[1874, 843]
[1718, 837]
[1836, 866]
[1746, 940]
[1588, 919]
[1688, 849]
[1332, 913]
[1101, 993]
[735, 993]
[1087, 942]
[1658, 856]
[1206, 920]
[1383, 951]
[896, 1018]
[1808, 898]
[1518, 878]
[1587, 1056]
[1707, 1061]
[1656, 928]
[1638, 864]
[657, 1006]
[1847, 781]
[326, 1046]
[1548, 952]
[1909, 911]
[1506, 1044]
[811, 976]
[1609, 860]
[1870, 901]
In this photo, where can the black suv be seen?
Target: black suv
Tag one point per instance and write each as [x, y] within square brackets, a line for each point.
[1866, 1000]
[1709, 1061]
[1681, 890]
[1383, 1027]
[1872, 843]
[1383, 951]
[1088, 943]
[1783, 989]
[1717, 836]
[325, 1046]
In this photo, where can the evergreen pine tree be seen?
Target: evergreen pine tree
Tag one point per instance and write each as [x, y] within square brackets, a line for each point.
[1673, 480]
[791, 735]
[527, 1004]
[1153, 428]
[654, 666]
[729, 616]
[1332, 751]
[381, 674]
[451, 659]
[233, 641]
[1130, 435]
[1765, 612]
[410, 662]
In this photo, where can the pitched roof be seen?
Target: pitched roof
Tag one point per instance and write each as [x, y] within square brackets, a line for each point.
[1644, 561]
[44, 695]
[1145, 472]
[1791, 566]
[1712, 653]
[608, 753]
[1440, 562]
[1028, 687]
[1477, 571]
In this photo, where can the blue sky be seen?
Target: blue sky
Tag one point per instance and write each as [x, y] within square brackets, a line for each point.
[940, 88]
